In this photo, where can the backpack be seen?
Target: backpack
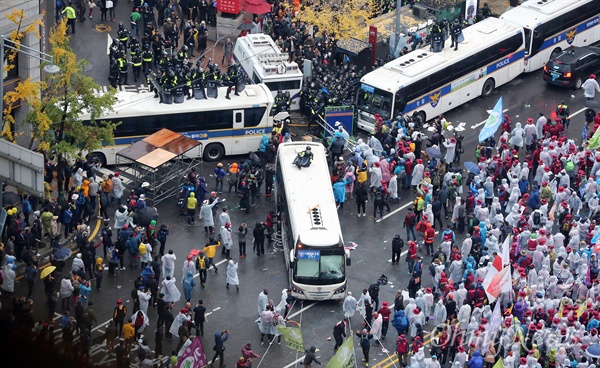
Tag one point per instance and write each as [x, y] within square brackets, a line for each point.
[161, 235]
[374, 291]
[432, 269]
[400, 322]
[537, 218]
[201, 262]
[142, 249]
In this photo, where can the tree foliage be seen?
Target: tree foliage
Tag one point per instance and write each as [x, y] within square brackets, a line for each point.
[57, 103]
[341, 18]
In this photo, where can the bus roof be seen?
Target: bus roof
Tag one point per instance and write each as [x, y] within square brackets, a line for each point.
[306, 189]
[268, 61]
[139, 104]
[531, 13]
[398, 72]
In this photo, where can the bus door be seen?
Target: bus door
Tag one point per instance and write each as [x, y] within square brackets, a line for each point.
[239, 134]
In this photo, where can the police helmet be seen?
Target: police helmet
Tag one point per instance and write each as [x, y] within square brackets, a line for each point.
[171, 73]
[120, 25]
[200, 69]
[308, 148]
[287, 94]
[185, 48]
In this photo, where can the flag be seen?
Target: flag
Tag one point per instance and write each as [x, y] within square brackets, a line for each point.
[494, 328]
[581, 309]
[493, 122]
[499, 363]
[193, 356]
[293, 337]
[325, 90]
[344, 358]
[497, 282]
[560, 310]
[584, 132]
[595, 140]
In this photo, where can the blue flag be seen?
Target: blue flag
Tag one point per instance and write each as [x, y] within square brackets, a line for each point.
[324, 90]
[492, 123]
[584, 132]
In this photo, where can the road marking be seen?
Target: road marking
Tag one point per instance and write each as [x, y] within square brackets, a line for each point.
[302, 310]
[297, 361]
[396, 210]
[217, 264]
[108, 42]
[578, 112]
[393, 358]
[483, 122]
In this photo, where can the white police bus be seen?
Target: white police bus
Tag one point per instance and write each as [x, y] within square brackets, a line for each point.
[310, 228]
[224, 127]
[554, 25]
[263, 62]
[427, 84]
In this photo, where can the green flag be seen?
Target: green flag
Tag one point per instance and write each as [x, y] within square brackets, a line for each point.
[344, 358]
[595, 140]
[293, 337]
[499, 363]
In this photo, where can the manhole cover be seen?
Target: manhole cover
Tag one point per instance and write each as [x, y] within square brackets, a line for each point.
[102, 28]
[88, 66]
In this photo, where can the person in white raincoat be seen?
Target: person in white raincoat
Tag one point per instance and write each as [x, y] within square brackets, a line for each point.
[417, 173]
[590, 86]
[517, 136]
[206, 215]
[417, 318]
[463, 316]
[146, 320]
[439, 313]
[450, 145]
[189, 266]
[376, 326]
[349, 306]
[280, 322]
[144, 296]
[181, 318]
[169, 288]
[263, 300]
[120, 218]
[364, 297]
[226, 239]
[232, 276]
[168, 264]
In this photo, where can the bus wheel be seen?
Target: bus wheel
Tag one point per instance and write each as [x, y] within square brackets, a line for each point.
[555, 53]
[98, 156]
[488, 87]
[214, 152]
[420, 116]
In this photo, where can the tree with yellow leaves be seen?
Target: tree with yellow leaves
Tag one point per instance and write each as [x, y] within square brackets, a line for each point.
[341, 18]
[57, 102]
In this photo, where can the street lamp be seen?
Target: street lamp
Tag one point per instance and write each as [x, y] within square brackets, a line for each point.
[50, 68]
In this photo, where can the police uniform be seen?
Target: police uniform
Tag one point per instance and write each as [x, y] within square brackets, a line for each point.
[147, 58]
[123, 66]
[136, 61]
[123, 34]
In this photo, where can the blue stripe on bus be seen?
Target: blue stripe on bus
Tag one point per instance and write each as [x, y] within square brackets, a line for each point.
[570, 34]
[203, 134]
[434, 97]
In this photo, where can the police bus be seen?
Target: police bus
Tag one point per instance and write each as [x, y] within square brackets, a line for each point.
[310, 229]
[224, 127]
[427, 84]
[553, 25]
[263, 62]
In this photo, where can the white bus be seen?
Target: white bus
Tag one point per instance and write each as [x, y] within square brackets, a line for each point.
[263, 62]
[310, 228]
[225, 127]
[427, 84]
[553, 25]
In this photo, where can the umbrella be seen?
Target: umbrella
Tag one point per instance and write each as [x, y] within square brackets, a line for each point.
[62, 254]
[282, 115]
[472, 167]
[46, 271]
[593, 351]
[145, 215]
[245, 26]
[591, 104]
[257, 7]
[434, 152]
[10, 199]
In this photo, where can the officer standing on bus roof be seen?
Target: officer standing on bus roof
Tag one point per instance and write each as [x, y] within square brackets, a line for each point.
[437, 40]
[231, 80]
[456, 31]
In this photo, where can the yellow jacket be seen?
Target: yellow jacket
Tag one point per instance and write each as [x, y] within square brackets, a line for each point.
[128, 331]
[192, 201]
[211, 250]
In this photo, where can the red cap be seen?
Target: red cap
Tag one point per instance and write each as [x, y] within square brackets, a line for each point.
[119, 301]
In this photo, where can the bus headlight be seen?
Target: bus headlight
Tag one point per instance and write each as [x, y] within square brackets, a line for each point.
[340, 290]
[297, 290]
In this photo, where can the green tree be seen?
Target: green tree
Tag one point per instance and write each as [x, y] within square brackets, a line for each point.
[57, 102]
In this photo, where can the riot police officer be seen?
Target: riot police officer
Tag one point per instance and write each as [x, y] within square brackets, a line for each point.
[437, 39]
[134, 47]
[123, 66]
[113, 73]
[113, 50]
[136, 61]
[231, 79]
[456, 31]
[147, 57]
[199, 79]
[123, 34]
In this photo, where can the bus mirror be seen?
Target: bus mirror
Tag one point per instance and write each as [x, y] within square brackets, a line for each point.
[292, 259]
[536, 34]
[348, 261]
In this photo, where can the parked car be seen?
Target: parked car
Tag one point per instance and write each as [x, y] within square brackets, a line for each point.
[571, 67]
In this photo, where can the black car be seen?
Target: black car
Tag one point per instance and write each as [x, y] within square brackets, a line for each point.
[571, 67]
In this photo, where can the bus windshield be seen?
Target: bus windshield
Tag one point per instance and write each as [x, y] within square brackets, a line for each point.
[375, 101]
[527, 40]
[320, 267]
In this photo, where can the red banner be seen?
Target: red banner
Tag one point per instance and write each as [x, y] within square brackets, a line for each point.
[193, 356]
[230, 6]
[373, 42]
